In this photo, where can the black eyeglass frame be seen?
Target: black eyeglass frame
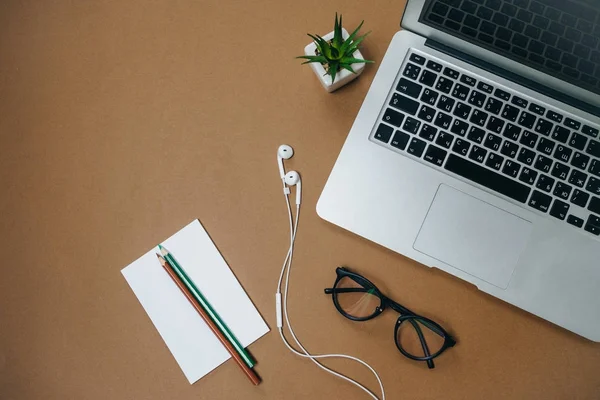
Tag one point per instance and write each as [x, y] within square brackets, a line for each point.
[405, 315]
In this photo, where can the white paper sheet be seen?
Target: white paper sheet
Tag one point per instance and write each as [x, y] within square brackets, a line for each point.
[187, 336]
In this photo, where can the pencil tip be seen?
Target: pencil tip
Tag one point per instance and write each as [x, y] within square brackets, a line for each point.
[161, 258]
[163, 251]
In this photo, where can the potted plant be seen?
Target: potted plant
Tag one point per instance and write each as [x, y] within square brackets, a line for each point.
[335, 57]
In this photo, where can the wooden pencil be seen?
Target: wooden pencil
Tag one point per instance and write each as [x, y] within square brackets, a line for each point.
[211, 324]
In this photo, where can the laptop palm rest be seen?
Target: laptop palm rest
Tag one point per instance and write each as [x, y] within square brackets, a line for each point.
[473, 236]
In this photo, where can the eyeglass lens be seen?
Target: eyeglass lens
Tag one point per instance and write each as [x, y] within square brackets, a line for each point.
[356, 300]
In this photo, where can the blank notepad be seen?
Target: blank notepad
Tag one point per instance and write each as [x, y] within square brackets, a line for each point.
[192, 343]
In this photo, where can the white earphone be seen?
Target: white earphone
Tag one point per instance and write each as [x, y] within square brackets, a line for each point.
[290, 179]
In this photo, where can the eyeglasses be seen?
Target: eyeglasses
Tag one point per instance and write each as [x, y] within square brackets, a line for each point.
[417, 337]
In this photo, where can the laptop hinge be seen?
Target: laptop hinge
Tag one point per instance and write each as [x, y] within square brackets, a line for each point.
[518, 79]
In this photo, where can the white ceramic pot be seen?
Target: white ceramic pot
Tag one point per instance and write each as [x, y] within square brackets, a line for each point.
[343, 76]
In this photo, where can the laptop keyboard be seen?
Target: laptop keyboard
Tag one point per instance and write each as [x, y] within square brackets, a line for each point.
[495, 137]
[558, 37]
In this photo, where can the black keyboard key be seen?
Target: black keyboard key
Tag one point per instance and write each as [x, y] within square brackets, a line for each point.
[577, 178]
[495, 124]
[383, 133]
[543, 126]
[476, 135]
[435, 155]
[571, 123]
[411, 125]
[520, 40]
[549, 38]
[477, 154]
[536, 7]
[546, 146]
[554, 116]
[485, 177]
[534, 108]
[412, 71]
[537, 48]
[594, 168]
[580, 198]
[477, 98]
[469, 7]
[526, 156]
[440, 8]
[588, 130]
[521, 3]
[580, 160]
[509, 112]
[446, 103]
[533, 32]
[559, 209]
[594, 205]
[560, 170]
[562, 190]
[494, 161]
[556, 27]
[443, 120]
[429, 96]
[571, 72]
[576, 221]
[502, 43]
[468, 80]
[512, 132]
[417, 59]
[565, 45]
[545, 183]
[444, 139]
[511, 168]
[462, 110]
[593, 148]
[428, 78]
[509, 149]
[416, 147]
[484, 37]
[500, 19]
[393, 117]
[461, 147]
[528, 176]
[561, 134]
[543, 163]
[426, 113]
[526, 119]
[578, 141]
[536, 58]
[593, 185]
[403, 103]
[485, 13]
[409, 88]
[524, 16]
[444, 84]
[562, 153]
[434, 66]
[485, 87]
[529, 139]
[459, 127]
[478, 117]
[501, 94]
[456, 15]
[400, 140]
[493, 142]
[493, 105]
[519, 101]
[593, 225]
[428, 132]
[451, 73]
[540, 22]
[573, 34]
[494, 4]
[460, 91]
[553, 54]
[469, 31]
[540, 201]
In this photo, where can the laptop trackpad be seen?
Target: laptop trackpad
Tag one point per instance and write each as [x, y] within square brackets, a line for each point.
[473, 236]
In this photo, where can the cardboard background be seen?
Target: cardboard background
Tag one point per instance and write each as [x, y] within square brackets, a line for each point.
[123, 121]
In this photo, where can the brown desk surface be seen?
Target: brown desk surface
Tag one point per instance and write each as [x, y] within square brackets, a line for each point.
[123, 121]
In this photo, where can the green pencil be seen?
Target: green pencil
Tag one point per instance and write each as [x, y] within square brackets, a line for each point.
[206, 306]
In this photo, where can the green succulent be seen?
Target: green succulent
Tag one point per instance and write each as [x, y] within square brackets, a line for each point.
[337, 53]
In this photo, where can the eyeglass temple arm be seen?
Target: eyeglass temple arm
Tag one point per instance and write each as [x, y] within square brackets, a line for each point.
[430, 363]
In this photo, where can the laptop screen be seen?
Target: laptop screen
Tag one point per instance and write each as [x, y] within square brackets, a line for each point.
[558, 37]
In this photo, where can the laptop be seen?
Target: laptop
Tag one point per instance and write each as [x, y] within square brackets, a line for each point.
[477, 151]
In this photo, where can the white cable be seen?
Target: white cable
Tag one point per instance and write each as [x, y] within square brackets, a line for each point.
[288, 263]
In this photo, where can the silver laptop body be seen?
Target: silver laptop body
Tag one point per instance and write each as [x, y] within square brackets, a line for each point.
[438, 168]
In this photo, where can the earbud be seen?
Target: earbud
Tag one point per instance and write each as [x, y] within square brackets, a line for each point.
[292, 178]
[284, 152]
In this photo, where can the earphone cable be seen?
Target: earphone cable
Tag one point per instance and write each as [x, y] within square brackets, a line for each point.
[287, 264]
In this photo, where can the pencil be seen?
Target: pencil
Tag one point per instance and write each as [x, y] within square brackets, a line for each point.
[211, 324]
[205, 304]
